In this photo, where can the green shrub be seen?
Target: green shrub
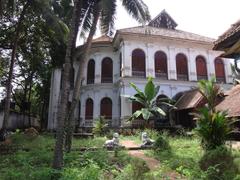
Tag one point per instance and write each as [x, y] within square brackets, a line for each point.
[90, 172]
[100, 126]
[218, 163]
[213, 128]
[161, 144]
[136, 170]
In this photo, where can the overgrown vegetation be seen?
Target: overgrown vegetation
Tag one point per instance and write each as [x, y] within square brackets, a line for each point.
[100, 126]
[185, 158]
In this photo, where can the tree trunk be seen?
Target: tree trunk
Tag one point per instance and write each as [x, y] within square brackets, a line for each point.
[58, 151]
[76, 92]
[73, 47]
[12, 62]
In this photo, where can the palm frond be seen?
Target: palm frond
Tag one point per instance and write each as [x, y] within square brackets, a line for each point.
[108, 16]
[138, 9]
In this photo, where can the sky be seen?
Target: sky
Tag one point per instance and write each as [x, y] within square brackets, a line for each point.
[210, 18]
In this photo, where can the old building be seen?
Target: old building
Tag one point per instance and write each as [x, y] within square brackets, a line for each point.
[175, 58]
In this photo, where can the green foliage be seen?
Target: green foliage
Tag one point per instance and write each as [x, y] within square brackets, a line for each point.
[218, 164]
[136, 170]
[162, 144]
[210, 92]
[92, 171]
[100, 126]
[213, 128]
[148, 100]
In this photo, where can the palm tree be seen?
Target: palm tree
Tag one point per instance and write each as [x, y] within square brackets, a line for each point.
[210, 91]
[149, 102]
[105, 12]
[213, 126]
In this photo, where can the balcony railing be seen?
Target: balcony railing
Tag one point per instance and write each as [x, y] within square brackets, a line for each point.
[220, 80]
[161, 75]
[202, 77]
[141, 74]
[90, 122]
[107, 80]
[90, 81]
[182, 77]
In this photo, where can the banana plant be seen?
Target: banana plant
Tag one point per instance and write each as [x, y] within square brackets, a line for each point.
[147, 99]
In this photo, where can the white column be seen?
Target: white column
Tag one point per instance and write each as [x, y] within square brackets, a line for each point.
[192, 71]
[210, 65]
[127, 60]
[172, 71]
[228, 71]
[97, 104]
[98, 68]
[150, 69]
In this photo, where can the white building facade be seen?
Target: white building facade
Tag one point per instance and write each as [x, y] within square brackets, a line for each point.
[176, 59]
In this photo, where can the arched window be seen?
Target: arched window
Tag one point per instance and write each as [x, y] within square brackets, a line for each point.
[201, 67]
[89, 109]
[138, 63]
[182, 67]
[106, 108]
[161, 65]
[91, 72]
[219, 70]
[107, 70]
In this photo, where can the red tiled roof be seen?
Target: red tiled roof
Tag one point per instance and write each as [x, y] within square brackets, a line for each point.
[228, 37]
[231, 102]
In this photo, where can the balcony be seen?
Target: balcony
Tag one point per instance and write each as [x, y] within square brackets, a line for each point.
[140, 74]
[161, 75]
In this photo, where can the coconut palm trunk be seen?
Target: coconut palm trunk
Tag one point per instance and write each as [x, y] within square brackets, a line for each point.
[12, 62]
[77, 87]
[64, 96]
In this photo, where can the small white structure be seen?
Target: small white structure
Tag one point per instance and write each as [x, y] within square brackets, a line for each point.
[175, 58]
[146, 141]
[114, 142]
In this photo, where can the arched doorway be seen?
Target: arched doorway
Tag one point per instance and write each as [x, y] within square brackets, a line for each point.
[138, 63]
[160, 59]
[107, 70]
[106, 108]
[219, 71]
[201, 67]
[182, 67]
[89, 109]
[91, 72]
